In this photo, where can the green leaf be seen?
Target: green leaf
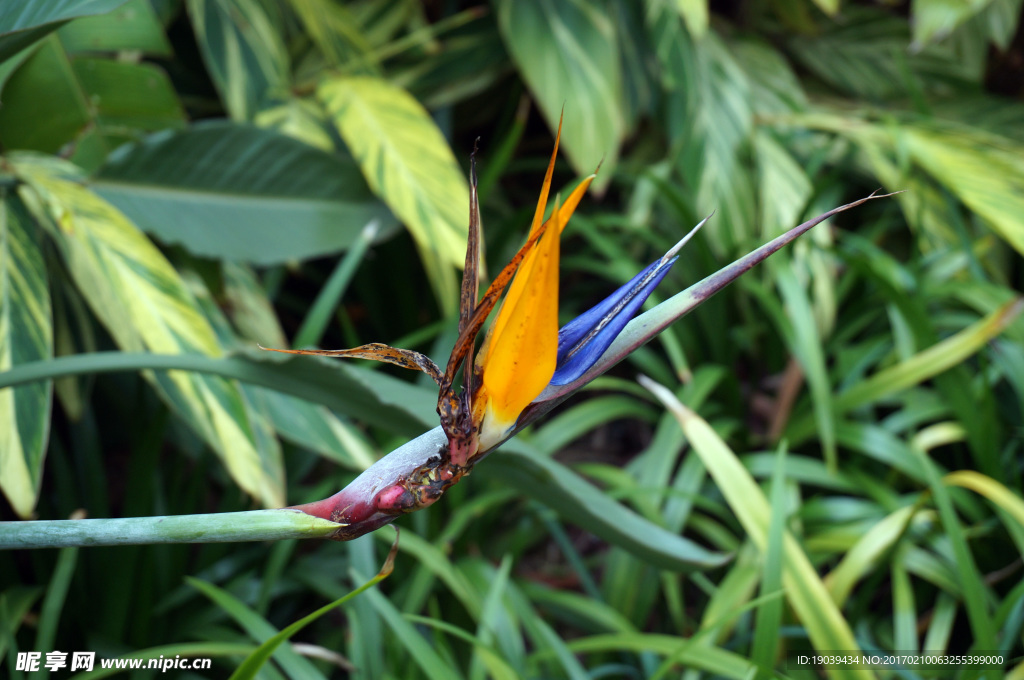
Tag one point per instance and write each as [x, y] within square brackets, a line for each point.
[977, 594]
[783, 186]
[260, 630]
[90, 103]
[1008, 501]
[695, 14]
[689, 652]
[567, 52]
[314, 427]
[712, 103]
[805, 345]
[127, 95]
[248, 306]
[45, 87]
[23, 23]
[233, 191]
[141, 300]
[419, 650]
[408, 163]
[583, 504]
[985, 172]
[252, 664]
[302, 119]
[26, 334]
[244, 53]
[859, 560]
[930, 362]
[821, 618]
[370, 396]
[936, 19]
[133, 26]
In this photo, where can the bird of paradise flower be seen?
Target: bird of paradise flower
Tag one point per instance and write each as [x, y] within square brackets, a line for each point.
[525, 364]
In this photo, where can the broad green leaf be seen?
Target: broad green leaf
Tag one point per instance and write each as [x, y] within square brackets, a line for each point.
[233, 191]
[15, 603]
[985, 172]
[43, 88]
[467, 65]
[127, 95]
[936, 19]
[804, 340]
[712, 121]
[314, 427]
[26, 334]
[977, 594]
[244, 53]
[23, 23]
[810, 599]
[140, 299]
[408, 163]
[867, 57]
[90, 105]
[132, 26]
[13, 63]
[567, 52]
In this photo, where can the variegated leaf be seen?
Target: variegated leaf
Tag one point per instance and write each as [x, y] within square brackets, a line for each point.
[26, 334]
[408, 163]
[143, 303]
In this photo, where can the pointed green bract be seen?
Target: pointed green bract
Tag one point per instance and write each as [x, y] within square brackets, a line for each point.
[143, 303]
[410, 166]
[26, 334]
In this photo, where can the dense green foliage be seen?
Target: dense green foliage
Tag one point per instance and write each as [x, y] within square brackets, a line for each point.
[193, 177]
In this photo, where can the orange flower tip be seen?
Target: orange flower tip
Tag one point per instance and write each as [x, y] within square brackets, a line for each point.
[674, 250]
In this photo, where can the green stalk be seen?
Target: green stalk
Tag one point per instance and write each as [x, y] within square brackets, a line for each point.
[227, 527]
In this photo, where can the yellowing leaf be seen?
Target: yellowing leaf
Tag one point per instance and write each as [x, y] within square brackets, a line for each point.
[145, 306]
[987, 174]
[408, 163]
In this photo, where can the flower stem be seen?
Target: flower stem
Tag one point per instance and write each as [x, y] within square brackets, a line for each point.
[227, 527]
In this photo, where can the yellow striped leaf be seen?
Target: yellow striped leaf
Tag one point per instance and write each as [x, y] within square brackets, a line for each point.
[145, 306]
[26, 334]
[409, 165]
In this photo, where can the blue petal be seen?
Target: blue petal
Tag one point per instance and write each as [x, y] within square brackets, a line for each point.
[582, 341]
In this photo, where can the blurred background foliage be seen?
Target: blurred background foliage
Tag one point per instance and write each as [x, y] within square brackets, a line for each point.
[191, 177]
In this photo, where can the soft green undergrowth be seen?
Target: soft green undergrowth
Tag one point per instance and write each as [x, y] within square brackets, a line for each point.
[844, 424]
